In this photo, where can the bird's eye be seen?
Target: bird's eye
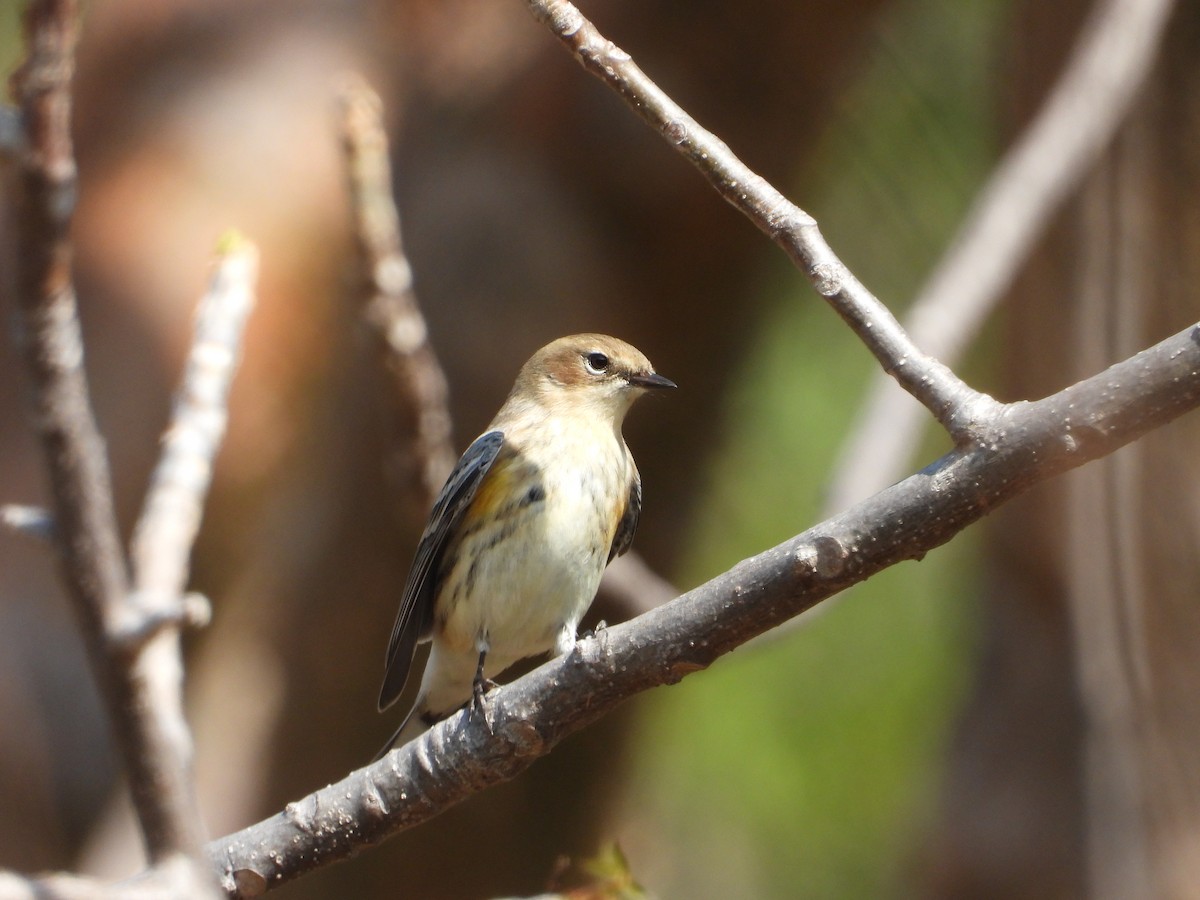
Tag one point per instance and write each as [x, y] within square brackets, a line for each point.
[596, 362]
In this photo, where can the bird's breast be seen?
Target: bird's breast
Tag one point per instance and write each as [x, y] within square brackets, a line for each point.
[535, 544]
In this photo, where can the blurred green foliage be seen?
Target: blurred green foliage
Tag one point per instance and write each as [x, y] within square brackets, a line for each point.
[809, 766]
[10, 35]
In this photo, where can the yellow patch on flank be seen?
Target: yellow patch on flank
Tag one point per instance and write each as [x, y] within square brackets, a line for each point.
[496, 489]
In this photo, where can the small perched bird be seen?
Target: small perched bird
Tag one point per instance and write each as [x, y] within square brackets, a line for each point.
[521, 532]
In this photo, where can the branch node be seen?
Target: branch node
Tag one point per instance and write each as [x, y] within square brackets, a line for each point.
[149, 612]
[524, 738]
[976, 420]
[375, 805]
[564, 18]
[301, 815]
[831, 557]
[31, 521]
[249, 883]
[675, 131]
[826, 279]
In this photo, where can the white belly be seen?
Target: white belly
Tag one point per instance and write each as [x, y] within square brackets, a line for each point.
[532, 585]
[535, 575]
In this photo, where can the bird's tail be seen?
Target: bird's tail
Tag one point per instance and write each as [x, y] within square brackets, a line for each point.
[445, 689]
[413, 725]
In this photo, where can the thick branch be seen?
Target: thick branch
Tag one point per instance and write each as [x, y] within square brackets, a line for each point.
[1026, 443]
[1116, 49]
[85, 527]
[952, 402]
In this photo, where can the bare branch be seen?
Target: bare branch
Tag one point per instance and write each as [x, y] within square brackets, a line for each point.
[954, 404]
[424, 453]
[1116, 49]
[146, 630]
[148, 627]
[150, 615]
[50, 335]
[1026, 443]
[94, 567]
[166, 530]
[31, 521]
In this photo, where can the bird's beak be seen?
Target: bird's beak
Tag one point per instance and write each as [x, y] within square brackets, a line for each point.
[650, 380]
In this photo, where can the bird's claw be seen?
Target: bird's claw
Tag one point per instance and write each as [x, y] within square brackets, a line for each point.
[597, 632]
[478, 688]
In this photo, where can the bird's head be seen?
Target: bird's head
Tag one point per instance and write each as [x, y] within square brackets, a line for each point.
[592, 372]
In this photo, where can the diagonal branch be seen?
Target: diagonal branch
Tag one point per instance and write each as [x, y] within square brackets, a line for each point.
[954, 404]
[1116, 49]
[1028, 442]
[1002, 451]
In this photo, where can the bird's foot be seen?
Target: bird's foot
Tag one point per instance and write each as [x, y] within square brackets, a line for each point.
[478, 688]
[596, 632]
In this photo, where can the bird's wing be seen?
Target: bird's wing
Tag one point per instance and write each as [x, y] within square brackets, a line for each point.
[416, 604]
[623, 538]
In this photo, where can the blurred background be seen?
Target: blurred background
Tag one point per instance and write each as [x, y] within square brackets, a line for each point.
[1014, 716]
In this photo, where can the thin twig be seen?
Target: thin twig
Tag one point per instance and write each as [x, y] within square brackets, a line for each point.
[93, 564]
[31, 521]
[955, 405]
[423, 451]
[150, 615]
[1028, 443]
[1116, 49]
[166, 530]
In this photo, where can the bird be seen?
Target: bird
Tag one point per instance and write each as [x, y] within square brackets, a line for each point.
[532, 513]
